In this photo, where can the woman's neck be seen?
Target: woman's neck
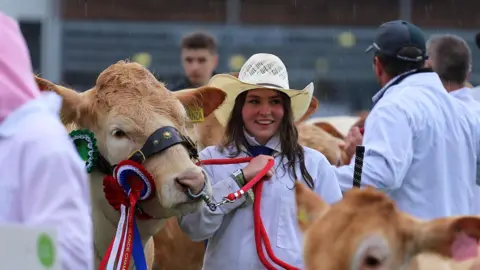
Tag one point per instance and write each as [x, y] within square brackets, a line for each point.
[251, 139]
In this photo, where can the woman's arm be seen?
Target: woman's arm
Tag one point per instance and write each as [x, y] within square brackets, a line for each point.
[203, 224]
[326, 184]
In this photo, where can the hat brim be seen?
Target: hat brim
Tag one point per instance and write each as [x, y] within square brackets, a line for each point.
[300, 99]
[372, 48]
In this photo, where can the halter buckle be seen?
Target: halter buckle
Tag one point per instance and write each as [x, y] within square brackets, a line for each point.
[137, 156]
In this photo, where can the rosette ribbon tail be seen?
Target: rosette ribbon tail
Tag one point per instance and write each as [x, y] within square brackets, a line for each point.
[127, 243]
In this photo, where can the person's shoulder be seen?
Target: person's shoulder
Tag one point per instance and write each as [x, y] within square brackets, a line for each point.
[312, 155]
[51, 135]
[213, 151]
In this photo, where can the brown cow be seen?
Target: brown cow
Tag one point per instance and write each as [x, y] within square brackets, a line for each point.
[366, 231]
[123, 109]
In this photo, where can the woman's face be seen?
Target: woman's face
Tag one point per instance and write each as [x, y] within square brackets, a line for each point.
[262, 113]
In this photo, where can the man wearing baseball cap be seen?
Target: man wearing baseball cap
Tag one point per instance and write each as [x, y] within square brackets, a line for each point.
[420, 143]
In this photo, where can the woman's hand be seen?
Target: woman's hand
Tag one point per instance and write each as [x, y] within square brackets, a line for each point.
[255, 166]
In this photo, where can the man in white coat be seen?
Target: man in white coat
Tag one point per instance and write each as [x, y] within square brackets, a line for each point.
[420, 144]
[450, 57]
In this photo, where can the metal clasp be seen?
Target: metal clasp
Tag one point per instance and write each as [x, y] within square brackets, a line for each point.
[208, 201]
[213, 206]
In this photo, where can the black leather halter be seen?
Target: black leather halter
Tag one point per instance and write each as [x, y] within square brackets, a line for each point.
[160, 140]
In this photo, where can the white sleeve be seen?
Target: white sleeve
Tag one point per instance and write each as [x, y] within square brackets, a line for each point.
[56, 193]
[326, 184]
[388, 145]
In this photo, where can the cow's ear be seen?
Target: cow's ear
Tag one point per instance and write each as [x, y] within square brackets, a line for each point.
[453, 237]
[75, 106]
[310, 206]
[205, 98]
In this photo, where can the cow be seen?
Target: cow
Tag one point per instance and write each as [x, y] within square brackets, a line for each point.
[127, 105]
[365, 230]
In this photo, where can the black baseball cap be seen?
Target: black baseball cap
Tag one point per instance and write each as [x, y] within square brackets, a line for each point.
[393, 36]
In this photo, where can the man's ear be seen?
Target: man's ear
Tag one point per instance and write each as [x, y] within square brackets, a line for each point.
[310, 206]
[428, 63]
[378, 66]
[455, 237]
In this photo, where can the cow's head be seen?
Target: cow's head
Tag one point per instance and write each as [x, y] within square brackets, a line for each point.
[125, 107]
[366, 231]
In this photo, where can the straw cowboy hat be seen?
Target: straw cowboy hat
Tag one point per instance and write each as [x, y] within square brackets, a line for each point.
[261, 70]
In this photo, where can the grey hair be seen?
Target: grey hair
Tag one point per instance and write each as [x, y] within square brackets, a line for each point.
[451, 57]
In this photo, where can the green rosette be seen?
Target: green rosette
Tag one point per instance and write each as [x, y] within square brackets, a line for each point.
[86, 146]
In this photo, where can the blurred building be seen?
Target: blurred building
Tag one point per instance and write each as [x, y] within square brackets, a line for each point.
[319, 40]
[41, 25]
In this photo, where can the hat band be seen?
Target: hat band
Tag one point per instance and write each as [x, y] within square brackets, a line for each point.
[269, 84]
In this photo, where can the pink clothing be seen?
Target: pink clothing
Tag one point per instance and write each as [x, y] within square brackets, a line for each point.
[43, 181]
[17, 84]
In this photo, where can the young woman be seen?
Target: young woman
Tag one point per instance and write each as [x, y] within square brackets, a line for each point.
[259, 115]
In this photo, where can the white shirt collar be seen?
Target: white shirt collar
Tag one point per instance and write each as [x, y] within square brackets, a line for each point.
[274, 142]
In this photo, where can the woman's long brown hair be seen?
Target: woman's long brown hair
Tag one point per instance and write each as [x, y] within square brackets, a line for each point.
[291, 149]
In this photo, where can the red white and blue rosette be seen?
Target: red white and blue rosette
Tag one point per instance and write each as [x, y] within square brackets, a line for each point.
[137, 184]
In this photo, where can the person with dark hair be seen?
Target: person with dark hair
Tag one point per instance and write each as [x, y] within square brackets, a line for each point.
[259, 115]
[420, 143]
[199, 60]
[450, 57]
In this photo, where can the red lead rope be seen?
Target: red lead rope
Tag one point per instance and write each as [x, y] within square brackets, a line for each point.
[260, 232]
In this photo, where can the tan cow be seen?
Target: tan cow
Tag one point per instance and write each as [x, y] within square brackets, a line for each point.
[123, 109]
[366, 231]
